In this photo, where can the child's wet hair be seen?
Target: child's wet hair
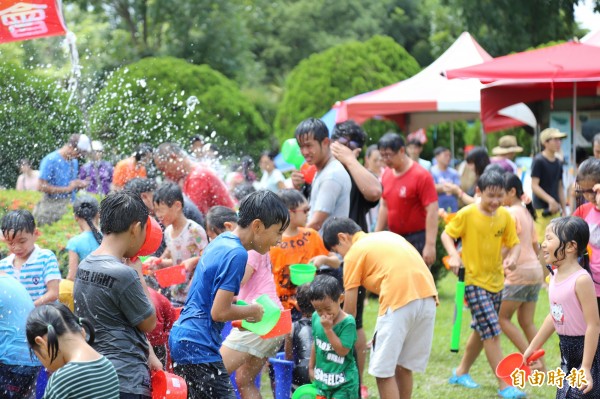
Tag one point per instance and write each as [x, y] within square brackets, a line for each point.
[55, 319]
[119, 210]
[335, 225]
[291, 198]
[325, 286]
[589, 170]
[491, 179]
[140, 185]
[218, 215]
[570, 229]
[168, 193]
[512, 181]
[16, 221]
[303, 299]
[86, 207]
[265, 206]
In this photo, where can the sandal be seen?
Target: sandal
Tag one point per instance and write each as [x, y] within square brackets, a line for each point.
[465, 380]
[511, 393]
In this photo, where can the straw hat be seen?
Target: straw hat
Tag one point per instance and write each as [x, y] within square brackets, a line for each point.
[507, 145]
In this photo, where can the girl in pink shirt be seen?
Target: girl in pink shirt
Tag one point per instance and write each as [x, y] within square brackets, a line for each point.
[573, 309]
[521, 285]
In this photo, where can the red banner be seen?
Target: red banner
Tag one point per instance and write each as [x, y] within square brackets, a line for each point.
[30, 19]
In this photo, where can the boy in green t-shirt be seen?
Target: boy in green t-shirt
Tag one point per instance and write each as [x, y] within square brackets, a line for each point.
[332, 364]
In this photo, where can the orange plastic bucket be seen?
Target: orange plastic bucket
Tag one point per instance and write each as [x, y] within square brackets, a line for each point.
[283, 326]
[168, 386]
[170, 276]
[515, 361]
[153, 239]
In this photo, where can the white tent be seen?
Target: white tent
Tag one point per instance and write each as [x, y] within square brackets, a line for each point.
[428, 97]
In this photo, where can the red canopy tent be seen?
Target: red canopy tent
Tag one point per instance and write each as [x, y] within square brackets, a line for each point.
[567, 62]
[564, 70]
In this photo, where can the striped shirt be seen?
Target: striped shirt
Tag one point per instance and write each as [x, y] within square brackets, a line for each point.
[40, 268]
[96, 379]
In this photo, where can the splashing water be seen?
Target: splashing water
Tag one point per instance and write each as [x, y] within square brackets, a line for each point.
[190, 104]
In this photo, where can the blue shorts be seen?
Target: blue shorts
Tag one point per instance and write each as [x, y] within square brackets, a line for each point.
[484, 306]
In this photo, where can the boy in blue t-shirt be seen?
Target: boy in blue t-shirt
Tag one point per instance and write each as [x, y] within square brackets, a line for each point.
[195, 339]
[34, 267]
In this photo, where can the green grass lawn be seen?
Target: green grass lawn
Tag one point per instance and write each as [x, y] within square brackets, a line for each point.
[434, 382]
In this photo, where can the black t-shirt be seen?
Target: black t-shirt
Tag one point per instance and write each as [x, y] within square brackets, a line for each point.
[359, 206]
[550, 175]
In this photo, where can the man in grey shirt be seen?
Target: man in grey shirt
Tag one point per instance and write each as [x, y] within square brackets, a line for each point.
[114, 297]
[330, 192]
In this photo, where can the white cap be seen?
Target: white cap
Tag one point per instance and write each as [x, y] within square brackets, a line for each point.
[84, 144]
[97, 146]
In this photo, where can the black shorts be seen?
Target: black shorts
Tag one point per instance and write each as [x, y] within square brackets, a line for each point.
[206, 380]
[360, 307]
[417, 239]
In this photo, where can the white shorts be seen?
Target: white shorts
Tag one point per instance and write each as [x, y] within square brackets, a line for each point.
[248, 342]
[403, 337]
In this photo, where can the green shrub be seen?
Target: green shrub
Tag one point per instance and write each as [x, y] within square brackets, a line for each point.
[35, 119]
[337, 74]
[167, 99]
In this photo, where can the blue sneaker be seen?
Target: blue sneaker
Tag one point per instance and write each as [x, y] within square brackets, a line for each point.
[511, 393]
[465, 380]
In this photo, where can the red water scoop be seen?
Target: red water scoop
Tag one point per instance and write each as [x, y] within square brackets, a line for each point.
[515, 361]
[171, 275]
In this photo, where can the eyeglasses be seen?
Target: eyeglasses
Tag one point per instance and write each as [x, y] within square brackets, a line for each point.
[353, 145]
[305, 210]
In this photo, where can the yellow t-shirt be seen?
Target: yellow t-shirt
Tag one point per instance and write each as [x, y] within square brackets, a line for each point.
[65, 293]
[388, 265]
[482, 240]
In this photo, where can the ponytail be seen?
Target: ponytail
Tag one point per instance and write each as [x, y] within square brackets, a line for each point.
[55, 320]
[89, 327]
[95, 232]
[86, 207]
[512, 181]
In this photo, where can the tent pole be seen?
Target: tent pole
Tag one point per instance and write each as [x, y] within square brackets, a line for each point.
[452, 141]
[573, 149]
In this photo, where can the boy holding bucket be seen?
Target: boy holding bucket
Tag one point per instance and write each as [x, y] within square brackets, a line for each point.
[484, 227]
[114, 297]
[195, 339]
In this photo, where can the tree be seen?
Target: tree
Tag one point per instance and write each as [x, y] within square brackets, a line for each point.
[166, 99]
[339, 73]
[505, 26]
[35, 119]
[202, 31]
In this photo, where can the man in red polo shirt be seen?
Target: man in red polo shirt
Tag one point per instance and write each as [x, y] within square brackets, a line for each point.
[200, 183]
[409, 204]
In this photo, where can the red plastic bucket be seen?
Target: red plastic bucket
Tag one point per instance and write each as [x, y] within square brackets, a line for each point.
[168, 386]
[153, 239]
[170, 276]
[515, 361]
